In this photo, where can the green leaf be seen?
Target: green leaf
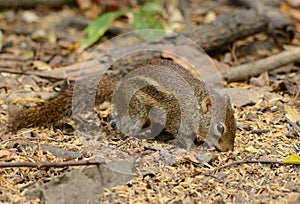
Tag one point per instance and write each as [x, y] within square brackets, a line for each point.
[147, 18]
[293, 159]
[97, 29]
[154, 7]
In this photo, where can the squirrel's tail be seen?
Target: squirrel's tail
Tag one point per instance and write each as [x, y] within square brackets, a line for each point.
[58, 108]
[44, 115]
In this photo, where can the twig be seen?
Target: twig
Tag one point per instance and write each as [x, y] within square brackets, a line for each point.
[124, 142]
[245, 71]
[246, 162]
[30, 139]
[56, 74]
[50, 164]
[260, 131]
[295, 125]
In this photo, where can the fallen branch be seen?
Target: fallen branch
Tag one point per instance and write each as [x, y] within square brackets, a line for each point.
[50, 164]
[281, 27]
[29, 139]
[245, 71]
[246, 162]
[30, 3]
[228, 28]
[56, 74]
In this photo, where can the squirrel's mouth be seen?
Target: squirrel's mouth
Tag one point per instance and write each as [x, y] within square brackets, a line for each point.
[220, 144]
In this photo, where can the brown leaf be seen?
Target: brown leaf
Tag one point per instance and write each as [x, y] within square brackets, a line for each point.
[191, 158]
[291, 114]
[6, 155]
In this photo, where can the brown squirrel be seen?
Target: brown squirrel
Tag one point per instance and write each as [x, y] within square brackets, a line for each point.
[211, 117]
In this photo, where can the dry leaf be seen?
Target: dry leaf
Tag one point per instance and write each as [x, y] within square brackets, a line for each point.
[191, 158]
[291, 114]
[40, 65]
[6, 155]
[250, 149]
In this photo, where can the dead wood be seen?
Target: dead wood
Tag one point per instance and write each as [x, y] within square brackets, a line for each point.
[57, 74]
[49, 164]
[245, 71]
[228, 28]
[280, 27]
[211, 37]
[28, 138]
[34, 3]
[246, 162]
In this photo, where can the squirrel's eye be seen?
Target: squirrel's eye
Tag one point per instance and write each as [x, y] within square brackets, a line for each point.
[220, 128]
[113, 124]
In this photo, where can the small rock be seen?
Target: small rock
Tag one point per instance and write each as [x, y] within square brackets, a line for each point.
[30, 17]
[242, 97]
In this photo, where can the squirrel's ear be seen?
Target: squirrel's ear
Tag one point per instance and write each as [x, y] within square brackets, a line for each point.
[206, 104]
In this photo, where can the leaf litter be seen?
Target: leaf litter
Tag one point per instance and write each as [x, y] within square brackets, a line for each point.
[163, 174]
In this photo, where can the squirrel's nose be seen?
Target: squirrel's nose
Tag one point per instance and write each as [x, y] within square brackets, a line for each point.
[113, 123]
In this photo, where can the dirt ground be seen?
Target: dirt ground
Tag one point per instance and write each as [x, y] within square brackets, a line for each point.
[163, 173]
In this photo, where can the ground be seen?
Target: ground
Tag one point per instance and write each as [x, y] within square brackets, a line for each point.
[164, 173]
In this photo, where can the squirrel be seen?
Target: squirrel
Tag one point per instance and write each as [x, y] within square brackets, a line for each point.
[185, 111]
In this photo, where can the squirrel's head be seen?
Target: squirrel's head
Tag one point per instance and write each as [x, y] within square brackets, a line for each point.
[221, 132]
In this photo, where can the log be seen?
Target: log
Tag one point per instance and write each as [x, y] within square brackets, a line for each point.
[245, 71]
[34, 3]
[228, 28]
[280, 27]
